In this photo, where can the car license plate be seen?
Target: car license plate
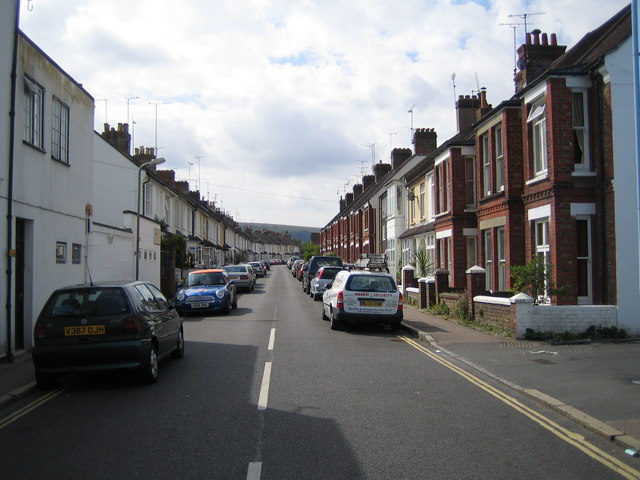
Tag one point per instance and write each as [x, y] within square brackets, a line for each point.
[84, 330]
[200, 305]
[371, 303]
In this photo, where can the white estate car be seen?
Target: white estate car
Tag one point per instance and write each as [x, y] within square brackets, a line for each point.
[362, 296]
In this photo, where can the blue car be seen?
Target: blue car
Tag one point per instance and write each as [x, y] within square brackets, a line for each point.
[208, 290]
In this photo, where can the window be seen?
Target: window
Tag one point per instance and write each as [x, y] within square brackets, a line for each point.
[148, 200]
[60, 131]
[486, 166]
[538, 123]
[442, 179]
[488, 259]
[472, 255]
[167, 210]
[432, 199]
[398, 200]
[61, 252]
[502, 259]
[541, 238]
[580, 131]
[422, 200]
[470, 182]
[76, 253]
[499, 159]
[583, 260]
[33, 113]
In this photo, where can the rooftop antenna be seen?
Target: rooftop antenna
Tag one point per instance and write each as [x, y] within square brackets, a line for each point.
[362, 169]
[410, 111]
[190, 164]
[390, 146]
[477, 83]
[514, 26]
[372, 146]
[524, 16]
[199, 157]
[453, 81]
[105, 100]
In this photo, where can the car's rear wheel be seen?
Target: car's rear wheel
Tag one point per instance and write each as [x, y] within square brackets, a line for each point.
[395, 326]
[179, 352]
[235, 302]
[335, 323]
[324, 315]
[47, 381]
[149, 372]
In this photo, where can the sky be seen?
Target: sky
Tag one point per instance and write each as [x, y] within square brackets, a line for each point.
[274, 109]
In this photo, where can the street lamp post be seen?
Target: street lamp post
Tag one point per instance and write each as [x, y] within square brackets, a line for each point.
[155, 161]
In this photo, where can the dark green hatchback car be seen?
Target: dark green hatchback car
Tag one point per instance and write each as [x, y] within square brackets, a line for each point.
[106, 326]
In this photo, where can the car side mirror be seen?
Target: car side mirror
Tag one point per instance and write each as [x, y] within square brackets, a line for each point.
[180, 284]
[329, 285]
[232, 282]
[173, 303]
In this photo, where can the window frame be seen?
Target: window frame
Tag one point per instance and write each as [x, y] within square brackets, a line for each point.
[60, 122]
[486, 164]
[538, 121]
[487, 239]
[499, 153]
[581, 130]
[33, 125]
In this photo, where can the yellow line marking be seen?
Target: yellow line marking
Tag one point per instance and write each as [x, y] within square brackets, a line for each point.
[568, 436]
[32, 406]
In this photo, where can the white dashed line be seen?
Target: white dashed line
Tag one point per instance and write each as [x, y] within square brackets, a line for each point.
[264, 389]
[272, 339]
[254, 471]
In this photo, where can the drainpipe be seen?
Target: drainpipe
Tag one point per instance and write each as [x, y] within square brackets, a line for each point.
[12, 121]
[602, 188]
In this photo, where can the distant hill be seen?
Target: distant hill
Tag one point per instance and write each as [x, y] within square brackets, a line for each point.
[297, 232]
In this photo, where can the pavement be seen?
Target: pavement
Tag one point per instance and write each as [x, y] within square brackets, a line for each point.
[595, 384]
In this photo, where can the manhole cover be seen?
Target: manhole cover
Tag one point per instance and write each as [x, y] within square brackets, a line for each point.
[517, 344]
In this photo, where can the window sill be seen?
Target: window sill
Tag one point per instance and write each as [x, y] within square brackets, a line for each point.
[583, 173]
[62, 162]
[35, 147]
[539, 178]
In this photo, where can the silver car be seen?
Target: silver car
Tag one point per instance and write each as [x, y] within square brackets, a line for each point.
[242, 276]
[319, 283]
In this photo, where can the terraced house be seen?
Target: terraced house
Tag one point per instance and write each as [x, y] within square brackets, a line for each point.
[549, 172]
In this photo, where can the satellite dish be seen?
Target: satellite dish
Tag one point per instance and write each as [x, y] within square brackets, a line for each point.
[521, 64]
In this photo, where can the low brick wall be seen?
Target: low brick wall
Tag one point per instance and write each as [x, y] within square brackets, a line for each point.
[451, 299]
[496, 312]
[413, 296]
[518, 314]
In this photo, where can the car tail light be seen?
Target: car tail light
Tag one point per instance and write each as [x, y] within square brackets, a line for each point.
[133, 325]
[244, 277]
[40, 330]
[340, 300]
[399, 301]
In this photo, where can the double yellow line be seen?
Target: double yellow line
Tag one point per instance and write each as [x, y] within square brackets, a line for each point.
[568, 436]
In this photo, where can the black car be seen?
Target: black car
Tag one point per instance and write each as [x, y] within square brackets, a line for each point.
[315, 263]
[106, 326]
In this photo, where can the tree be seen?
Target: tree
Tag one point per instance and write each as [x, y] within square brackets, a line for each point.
[424, 264]
[175, 244]
[309, 249]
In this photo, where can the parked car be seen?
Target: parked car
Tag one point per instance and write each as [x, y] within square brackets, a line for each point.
[106, 326]
[207, 291]
[303, 267]
[315, 263]
[361, 296]
[291, 261]
[242, 276]
[295, 266]
[266, 265]
[319, 283]
[258, 269]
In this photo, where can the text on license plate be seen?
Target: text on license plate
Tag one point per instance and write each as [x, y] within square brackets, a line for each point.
[84, 330]
[200, 305]
[371, 303]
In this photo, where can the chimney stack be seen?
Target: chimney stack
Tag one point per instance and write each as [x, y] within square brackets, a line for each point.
[120, 138]
[538, 52]
[467, 109]
[399, 156]
[425, 140]
[380, 170]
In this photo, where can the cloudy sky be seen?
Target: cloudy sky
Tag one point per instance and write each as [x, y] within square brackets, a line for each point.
[275, 108]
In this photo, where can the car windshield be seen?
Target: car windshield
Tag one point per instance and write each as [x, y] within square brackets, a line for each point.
[238, 268]
[371, 283]
[87, 302]
[205, 278]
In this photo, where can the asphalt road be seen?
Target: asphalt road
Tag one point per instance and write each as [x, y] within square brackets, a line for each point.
[270, 392]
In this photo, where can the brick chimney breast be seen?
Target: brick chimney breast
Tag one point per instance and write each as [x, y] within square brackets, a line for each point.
[467, 111]
[399, 156]
[535, 55]
[380, 170]
[368, 180]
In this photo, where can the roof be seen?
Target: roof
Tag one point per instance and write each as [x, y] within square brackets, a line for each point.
[597, 43]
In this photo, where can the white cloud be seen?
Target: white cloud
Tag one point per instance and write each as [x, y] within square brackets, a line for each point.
[278, 97]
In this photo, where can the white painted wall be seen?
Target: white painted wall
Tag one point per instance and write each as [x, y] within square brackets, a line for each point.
[51, 196]
[619, 65]
[7, 31]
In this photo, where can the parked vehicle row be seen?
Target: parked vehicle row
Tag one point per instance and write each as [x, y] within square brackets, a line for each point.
[351, 293]
[128, 325]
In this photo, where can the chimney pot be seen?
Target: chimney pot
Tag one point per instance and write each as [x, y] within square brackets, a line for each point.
[545, 41]
[554, 39]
